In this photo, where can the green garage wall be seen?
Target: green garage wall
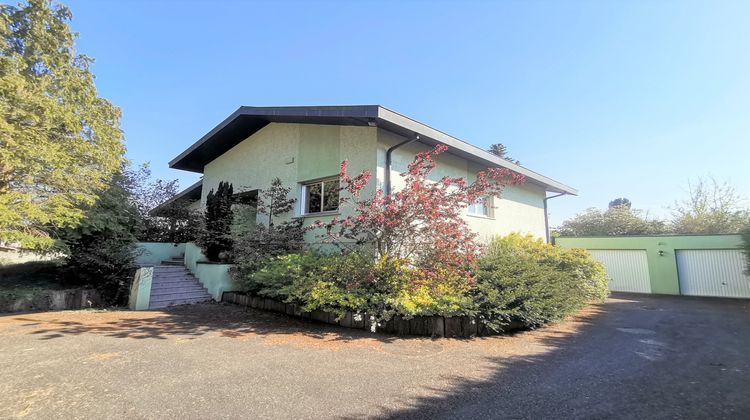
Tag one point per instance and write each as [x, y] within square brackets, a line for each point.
[662, 267]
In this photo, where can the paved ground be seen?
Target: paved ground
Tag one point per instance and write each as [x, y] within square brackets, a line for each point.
[632, 357]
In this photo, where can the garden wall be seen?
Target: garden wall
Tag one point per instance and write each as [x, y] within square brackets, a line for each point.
[153, 253]
[49, 300]
[434, 326]
[214, 277]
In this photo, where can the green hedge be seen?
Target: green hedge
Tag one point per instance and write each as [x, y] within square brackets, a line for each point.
[519, 278]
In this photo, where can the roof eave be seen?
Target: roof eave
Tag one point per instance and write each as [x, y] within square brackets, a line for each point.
[180, 195]
[384, 118]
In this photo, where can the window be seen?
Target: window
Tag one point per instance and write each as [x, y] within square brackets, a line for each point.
[320, 196]
[480, 207]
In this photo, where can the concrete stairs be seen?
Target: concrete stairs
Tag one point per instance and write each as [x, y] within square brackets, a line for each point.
[176, 261]
[173, 284]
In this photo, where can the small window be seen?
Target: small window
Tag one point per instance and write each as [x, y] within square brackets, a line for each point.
[320, 196]
[480, 208]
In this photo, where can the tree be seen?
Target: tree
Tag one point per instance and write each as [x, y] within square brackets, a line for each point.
[615, 221]
[712, 207]
[423, 221]
[175, 222]
[215, 238]
[60, 143]
[275, 201]
[254, 244]
[101, 248]
[499, 149]
[620, 202]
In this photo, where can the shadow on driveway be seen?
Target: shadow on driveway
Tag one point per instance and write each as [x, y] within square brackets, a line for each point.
[634, 356]
[643, 356]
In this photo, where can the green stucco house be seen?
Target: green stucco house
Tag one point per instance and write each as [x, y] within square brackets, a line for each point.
[305, 145]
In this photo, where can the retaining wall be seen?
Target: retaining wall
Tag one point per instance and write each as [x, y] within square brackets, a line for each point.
[434, 326]
[153, 253]
[50, 300]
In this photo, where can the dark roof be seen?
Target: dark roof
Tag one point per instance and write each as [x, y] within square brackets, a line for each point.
[247, 120]
[189, 194]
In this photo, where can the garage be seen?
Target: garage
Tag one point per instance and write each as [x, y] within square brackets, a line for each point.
[627, 269]
[712, 272]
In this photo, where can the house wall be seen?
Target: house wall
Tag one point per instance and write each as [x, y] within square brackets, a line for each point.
[295, 153]
[520, 209]
[298, 153]
[660, 251]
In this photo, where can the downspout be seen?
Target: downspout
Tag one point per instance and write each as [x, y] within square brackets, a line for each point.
[546, 217]
[387, 178]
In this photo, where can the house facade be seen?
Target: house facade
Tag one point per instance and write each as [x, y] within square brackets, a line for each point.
[304, 147]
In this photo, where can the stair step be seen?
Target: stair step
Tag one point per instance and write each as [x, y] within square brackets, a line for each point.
[180, 295]
[164, 303]
[172, 274]
[175, 285]
[181, 277]
[171, 262]
[175, 291]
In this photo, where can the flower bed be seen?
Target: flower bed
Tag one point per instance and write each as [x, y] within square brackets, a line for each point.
[433, 326]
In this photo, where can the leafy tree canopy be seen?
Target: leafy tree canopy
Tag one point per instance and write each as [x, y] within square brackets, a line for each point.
[100, 249]
[174, 222]
[60, 142]
[616, 220]
[622, 201]
[712, 207]
[499, 149]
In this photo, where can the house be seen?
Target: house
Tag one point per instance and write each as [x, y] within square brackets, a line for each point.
[305, 145]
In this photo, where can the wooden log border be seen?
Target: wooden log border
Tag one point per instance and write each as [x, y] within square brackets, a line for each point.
[433, 326]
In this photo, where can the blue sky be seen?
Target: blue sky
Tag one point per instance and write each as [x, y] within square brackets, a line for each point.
[614, 98]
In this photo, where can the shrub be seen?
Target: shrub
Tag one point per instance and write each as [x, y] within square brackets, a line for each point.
[518, 279]
[101, 249]
[254, 243]
[215, 238]
[524, 279]
[423, 221]
[359, 282]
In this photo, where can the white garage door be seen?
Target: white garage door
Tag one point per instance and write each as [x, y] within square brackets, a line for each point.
[715, 272]
[627, 269]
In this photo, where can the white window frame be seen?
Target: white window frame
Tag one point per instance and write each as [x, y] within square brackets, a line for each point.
[303, 197]
[486, 207]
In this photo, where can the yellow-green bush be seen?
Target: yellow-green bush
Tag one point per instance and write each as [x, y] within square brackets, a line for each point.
[521, 278]
[361, 283]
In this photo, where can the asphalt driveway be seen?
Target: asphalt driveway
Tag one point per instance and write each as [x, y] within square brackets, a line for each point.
[632, 357]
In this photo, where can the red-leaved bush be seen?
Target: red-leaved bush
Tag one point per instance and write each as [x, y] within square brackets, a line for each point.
[422, 221]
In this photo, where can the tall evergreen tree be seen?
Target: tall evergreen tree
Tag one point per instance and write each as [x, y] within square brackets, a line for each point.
[216, 236]
[60, 142]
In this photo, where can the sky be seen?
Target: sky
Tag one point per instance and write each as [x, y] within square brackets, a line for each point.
[614, 98]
